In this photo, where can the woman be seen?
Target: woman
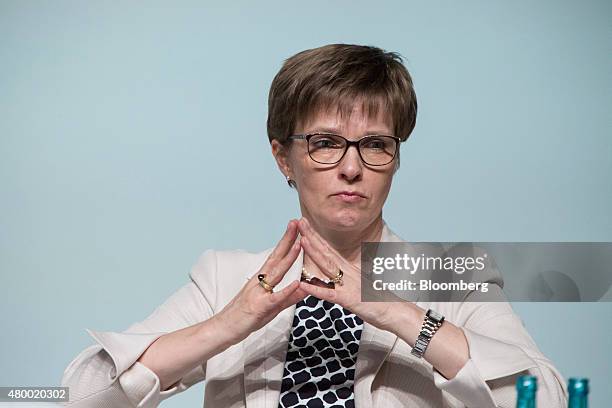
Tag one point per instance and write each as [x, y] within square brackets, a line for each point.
[287, 327]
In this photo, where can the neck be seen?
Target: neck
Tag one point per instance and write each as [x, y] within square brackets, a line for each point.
[347, 243]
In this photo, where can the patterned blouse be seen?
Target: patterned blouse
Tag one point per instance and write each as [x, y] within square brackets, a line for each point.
[320, 365]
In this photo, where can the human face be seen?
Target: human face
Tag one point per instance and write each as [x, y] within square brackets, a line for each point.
[319, 185]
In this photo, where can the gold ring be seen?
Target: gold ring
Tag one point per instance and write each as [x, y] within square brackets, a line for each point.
[338, 278]
[264, 284]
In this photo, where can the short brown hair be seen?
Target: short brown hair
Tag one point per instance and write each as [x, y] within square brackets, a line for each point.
[336, 75]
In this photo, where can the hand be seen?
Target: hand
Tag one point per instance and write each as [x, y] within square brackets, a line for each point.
[254, 307]
[380, 314]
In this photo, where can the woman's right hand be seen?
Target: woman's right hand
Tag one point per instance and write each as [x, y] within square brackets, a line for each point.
[254, 307]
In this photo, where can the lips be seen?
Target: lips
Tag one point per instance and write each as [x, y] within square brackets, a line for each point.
[349, 196]
[351, 193]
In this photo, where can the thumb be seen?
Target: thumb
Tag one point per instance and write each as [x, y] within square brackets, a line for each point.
[290, 295]
[294, 298]
[281, 295]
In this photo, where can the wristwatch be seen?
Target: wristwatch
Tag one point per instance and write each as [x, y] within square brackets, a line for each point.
[432, 322]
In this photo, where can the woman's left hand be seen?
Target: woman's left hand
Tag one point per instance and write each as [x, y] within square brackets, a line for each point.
[348, 294]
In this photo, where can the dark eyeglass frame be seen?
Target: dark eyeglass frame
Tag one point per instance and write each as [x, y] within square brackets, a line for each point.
[349, 143]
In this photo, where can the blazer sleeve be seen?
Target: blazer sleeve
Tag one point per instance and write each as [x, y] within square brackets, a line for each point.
[500, 350]
[107, 374]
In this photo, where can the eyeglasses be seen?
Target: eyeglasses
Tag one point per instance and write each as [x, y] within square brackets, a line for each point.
[329, 148]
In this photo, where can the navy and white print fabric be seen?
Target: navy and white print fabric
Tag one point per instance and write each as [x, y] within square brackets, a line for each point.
[320, 365]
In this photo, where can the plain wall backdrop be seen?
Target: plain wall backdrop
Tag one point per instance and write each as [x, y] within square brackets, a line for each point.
[133, 138]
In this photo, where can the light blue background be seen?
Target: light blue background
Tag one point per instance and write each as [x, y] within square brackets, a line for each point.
[114, 118]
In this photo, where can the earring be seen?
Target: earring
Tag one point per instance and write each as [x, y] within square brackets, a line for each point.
[290, 182]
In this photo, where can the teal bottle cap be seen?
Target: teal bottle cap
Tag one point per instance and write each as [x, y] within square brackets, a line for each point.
[527, 383]
[578, 386]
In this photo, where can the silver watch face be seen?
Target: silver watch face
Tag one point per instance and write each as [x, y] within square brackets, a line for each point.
[434, 315]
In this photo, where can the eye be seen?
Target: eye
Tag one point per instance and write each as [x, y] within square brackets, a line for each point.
[375, 143]
[325, 142]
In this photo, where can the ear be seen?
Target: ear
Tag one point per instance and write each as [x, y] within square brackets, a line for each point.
[281, 155]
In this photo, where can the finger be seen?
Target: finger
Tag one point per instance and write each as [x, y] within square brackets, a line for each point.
[306, 229]
[286, 246]
[319, 243]
[285, 242]
[273, 274]
[322, 259]
[277, 271]
[319, 292]
[280, 296]
[293, 298]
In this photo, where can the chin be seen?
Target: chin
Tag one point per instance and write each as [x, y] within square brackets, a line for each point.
[346, 220]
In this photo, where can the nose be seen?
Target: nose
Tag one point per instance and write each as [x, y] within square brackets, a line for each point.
[351, 166]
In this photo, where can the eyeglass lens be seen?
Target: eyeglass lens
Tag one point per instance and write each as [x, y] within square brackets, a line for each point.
[375, 150]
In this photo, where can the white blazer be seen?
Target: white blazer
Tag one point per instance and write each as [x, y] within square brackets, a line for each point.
[249, 373]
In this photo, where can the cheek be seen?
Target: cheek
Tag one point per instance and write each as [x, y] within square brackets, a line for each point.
[382, 187]
[315, 187]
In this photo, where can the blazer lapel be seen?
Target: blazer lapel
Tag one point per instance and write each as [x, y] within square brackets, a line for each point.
[266, 349]
[374, 347]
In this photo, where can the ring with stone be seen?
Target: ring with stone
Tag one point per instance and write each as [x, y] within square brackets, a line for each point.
[262, 281]
[338, 278]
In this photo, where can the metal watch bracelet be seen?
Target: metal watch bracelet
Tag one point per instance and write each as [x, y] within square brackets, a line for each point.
[432, 322]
